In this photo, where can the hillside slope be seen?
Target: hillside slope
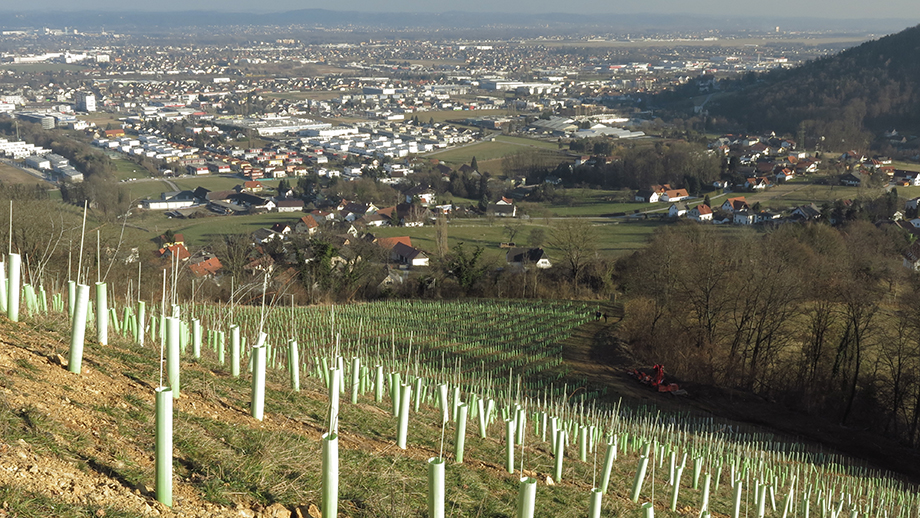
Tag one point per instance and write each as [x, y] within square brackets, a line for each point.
[845, 98]
[596, 354]
[82, 445]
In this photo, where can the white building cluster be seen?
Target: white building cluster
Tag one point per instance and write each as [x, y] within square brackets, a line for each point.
[56, 163]
[149, 146]
[393, 140]
[19, 149]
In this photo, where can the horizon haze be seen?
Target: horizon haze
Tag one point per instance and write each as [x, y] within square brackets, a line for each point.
[904, 10]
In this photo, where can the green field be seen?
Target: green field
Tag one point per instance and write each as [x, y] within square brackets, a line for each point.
[147, 189]
[500, 147]
[126, 169]
[590, 202]
[10, 175]
[447, 115]
[213, 183]
[794, 194]
[615, 237]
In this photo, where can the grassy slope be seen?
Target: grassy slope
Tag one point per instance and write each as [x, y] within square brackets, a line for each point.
[100, 424]
[81, 445]
[10, 175]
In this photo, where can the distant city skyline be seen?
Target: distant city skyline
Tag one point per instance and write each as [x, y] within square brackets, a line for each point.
[906, 10]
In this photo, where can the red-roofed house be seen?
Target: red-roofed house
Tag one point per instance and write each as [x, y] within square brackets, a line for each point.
[252, 186]
[207, 267]
[306, 225]
[673, 195]
[176, 249]
[701, 213]
[389, 242]
[735, 204]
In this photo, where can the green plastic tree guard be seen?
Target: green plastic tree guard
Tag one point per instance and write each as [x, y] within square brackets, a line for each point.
[102, 314]
[14, 271]
[594, 508]
[141, 321]
[294, 364]
[330, 501]
[172, 355]
[78, 329]
[509, 445]
[402, 432]
[460, 438]
[609, 457]
[235, 351]
[355, 379]
[164, 445]
[640, 476]
[258, 381]
[527, 497]
[436, 487]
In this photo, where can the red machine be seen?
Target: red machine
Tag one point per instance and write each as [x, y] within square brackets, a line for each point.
[656, 380]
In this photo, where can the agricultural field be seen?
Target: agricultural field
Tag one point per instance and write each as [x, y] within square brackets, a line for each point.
[521, 336]
[615, 237]
[211, 182]
[793, 194]
[592, 203]
[499, 147]
[146, 189]
[100, 119]
[391, 388]
[126, 169]
[10, 175]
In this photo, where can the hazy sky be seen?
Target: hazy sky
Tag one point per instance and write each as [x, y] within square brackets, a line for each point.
[907, 10]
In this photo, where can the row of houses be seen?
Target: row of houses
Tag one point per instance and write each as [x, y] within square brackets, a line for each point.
[737, 211]
[19, 149]
[661, 193]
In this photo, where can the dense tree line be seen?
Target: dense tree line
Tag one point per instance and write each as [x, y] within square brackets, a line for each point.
[100, 187]
[678, 163]
[79, 152]
[843, 98]
[824, 319]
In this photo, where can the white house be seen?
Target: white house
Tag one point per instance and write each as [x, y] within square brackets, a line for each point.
[524, 257]
[647, 196]
[673, 195]
[290, 206]
[677, 210]
[735, 204]
[743, 217]
[408, 255]
[701, 213]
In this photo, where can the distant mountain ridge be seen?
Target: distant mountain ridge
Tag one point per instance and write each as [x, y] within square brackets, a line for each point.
[636, 23]
[846, 98]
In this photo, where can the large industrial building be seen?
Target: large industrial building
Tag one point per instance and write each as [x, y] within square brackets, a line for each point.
[84, 101]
